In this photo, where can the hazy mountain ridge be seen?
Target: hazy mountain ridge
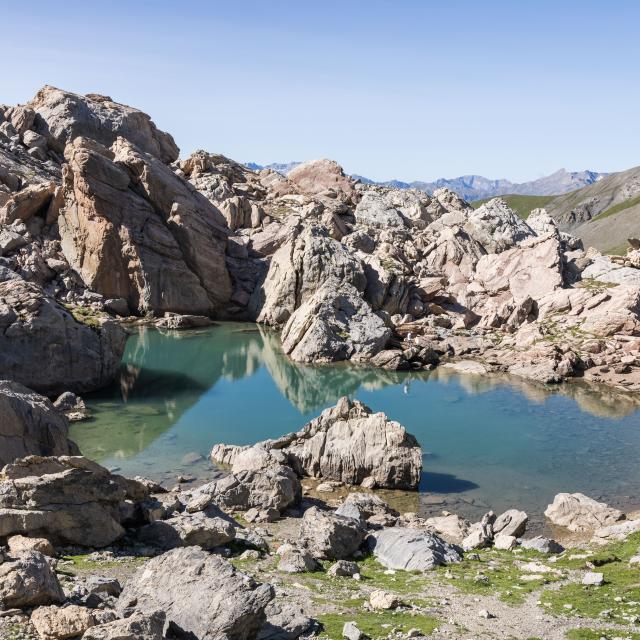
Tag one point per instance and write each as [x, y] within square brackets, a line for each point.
[474, 187]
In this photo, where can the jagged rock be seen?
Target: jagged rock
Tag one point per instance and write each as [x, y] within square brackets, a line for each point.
[334, 324]
[276, 489]
[29, 581]
[376, 209]
[298, 269]
[383, 600]
[201, 594]
[496, 227]
[69, 499]
[603, 269]
[138, 626]
[505, 542]
[362, 506]
[578, 512]
[451, 527]
[72, 406]
[411, 549]
[511, 523]
[207, 530]
[329, 536]
[350, 631]
[133, 229]
[480, 533]
[26, 203]
[60, 623]
[531, 269]
[616, 532]
[348, 443]
[44, 348]
[62, 116]
[30, 425]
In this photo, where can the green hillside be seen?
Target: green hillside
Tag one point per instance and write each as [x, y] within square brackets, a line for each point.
[522, 205]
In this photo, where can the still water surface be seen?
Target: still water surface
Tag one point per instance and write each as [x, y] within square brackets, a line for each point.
[487, 442]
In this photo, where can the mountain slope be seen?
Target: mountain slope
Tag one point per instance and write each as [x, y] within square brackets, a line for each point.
[605, 213]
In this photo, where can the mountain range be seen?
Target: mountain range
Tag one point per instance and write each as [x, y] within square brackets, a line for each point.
[473, 187]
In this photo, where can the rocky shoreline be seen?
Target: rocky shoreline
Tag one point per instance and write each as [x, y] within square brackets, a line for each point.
[94, 555]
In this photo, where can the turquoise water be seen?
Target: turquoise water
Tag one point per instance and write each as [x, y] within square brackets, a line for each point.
[487, 442]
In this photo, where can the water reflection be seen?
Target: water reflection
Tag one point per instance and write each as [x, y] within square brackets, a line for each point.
[487, 439]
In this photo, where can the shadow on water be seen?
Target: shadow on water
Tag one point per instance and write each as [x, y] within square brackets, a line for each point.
[444, 483]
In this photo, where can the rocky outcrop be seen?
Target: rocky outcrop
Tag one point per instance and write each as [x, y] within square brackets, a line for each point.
[348, 443]
[201, 595]
[334, 324]
[138, 626]
[43, 347]
[577, 512]
[134, 230]
[323, 178]
[30, 425]
[411, 549]
[61, 116]
[67, 499]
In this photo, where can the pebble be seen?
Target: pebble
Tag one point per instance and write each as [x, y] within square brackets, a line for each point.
[483, 613]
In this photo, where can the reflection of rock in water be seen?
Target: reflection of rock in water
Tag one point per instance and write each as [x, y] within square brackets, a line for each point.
[310, 388]
[129, 374]
[598, 400]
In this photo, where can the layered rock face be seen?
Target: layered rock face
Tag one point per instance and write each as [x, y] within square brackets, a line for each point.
[29, 425]
[134, 230]
[68, 499]
[348, 443]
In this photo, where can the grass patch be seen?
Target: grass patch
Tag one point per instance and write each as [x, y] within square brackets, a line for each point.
[594, 634]
[377, 625]
[522, 205]
[617, 208]
[496, 572]
[85, 315]
[617, 600]
[82, 563]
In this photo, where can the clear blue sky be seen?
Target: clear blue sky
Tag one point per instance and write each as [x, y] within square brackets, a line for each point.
[404, 89]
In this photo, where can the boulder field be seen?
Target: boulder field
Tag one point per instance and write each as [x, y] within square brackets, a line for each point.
[100, 220]
[86, 553]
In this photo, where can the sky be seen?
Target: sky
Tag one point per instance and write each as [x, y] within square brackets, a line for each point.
[406, 89]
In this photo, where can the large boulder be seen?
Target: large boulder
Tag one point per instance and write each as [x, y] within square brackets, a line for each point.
[29, 581]
[68, 499]
[496, 227]
[202, 595]
[323, 177]
[334, 324]
[531, 269]
[577, 512]
[411, 549]
[347, 443]
[329, 536]
[298, 269]
[61, 623]
[135, 230]
[43, 347]
[30, 425]
[62, 116]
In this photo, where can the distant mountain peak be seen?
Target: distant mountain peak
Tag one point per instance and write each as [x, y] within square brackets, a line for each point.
[475, 187]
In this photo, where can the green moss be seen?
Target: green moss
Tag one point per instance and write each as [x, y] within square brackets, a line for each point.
[522, 205]
[617, 600]
[377, 625]
[85, 315]
[82, 563]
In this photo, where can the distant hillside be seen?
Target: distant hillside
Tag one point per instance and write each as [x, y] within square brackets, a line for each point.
[473, 187]
[522, 205]
[603, 214]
